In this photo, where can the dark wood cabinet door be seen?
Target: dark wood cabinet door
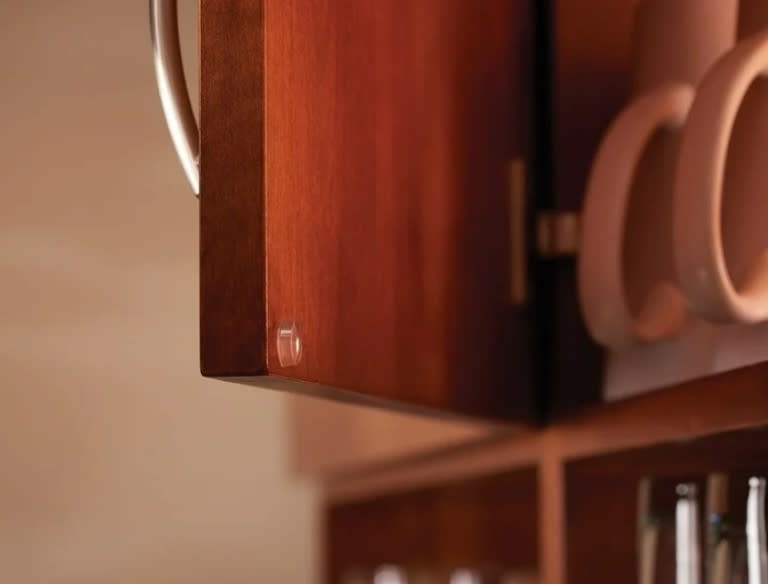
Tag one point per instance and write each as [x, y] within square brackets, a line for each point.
[355, 183]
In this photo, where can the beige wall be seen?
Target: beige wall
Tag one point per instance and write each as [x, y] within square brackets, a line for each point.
[118, 463]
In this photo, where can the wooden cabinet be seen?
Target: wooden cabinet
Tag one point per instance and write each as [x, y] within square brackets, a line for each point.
[374, 177]
[390, 196]
[355, 190]
[362, 196]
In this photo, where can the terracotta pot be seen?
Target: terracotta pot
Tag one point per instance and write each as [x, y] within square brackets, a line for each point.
[627, 276]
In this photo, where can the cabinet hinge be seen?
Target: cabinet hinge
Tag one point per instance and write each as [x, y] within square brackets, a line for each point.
[557, 233]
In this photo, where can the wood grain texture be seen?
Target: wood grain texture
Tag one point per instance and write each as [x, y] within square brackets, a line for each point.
[232, 249]
[488, 524]
[354, 181]
[389, 128]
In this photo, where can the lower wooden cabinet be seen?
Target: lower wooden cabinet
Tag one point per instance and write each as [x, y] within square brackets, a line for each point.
[485, 528]
[621, 520]
[599, 497]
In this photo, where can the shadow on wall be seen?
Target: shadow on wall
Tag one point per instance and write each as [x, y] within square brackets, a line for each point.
[119, 462]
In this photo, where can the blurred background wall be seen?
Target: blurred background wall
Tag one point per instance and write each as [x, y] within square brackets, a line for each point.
[118, 462]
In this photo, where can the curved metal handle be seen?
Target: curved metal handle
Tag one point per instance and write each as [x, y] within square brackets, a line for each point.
[164, 29]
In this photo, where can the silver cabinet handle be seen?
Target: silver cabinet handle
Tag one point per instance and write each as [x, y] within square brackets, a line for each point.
[687, 535]
[164, 29]
[757, 559]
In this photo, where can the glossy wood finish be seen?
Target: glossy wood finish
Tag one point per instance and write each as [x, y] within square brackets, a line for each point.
[355, 178]
[232, 249]
[488, 523]
[354, 181]
[389, 130]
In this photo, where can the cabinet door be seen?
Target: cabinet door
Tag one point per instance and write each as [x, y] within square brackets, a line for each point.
[355, 186]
